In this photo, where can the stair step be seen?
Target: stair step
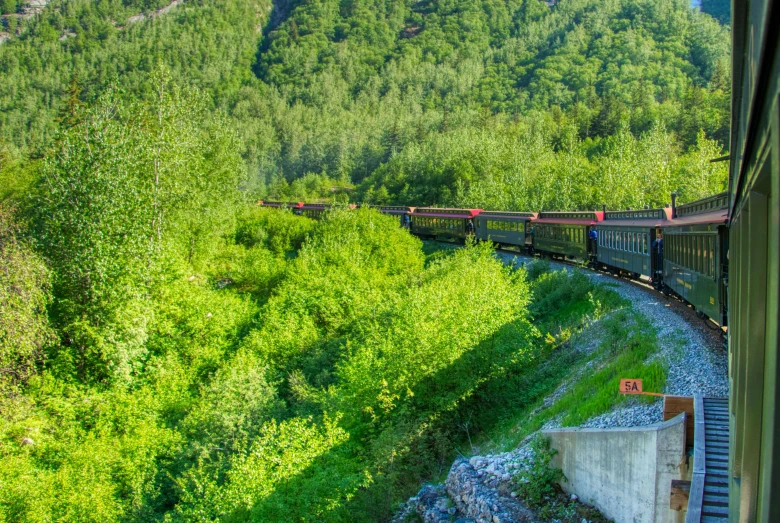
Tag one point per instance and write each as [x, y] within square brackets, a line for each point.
[714, 510]
[716, 500]
[713, 490]
[716, 480]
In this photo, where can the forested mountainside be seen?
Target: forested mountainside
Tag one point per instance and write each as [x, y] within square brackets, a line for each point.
[498, 104]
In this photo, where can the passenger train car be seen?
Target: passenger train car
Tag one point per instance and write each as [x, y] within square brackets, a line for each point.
[754, 263]
[505, 228]
[626, 241]
[565, 233]
[443, 224]
[695, 261]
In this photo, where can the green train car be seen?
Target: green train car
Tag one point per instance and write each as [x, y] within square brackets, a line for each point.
[396, 210]
[314, 210]
[504, 227]
[625, 241]
[443, 224]
[280, 205]
[754, 264]
[565, 233]
[695, 243]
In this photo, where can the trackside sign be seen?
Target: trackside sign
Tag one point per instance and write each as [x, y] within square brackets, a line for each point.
[629, 386]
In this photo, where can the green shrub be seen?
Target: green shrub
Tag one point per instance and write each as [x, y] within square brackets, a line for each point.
[538, 485]
[25, 295]
[279, 231]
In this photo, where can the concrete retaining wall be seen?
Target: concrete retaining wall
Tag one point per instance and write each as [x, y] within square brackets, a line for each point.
[627, 472]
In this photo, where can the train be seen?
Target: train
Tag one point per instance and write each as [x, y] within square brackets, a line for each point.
[681, 251]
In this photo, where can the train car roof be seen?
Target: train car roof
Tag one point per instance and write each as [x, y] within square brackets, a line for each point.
[292, 205]
[446, 213]
[637, 218]
[719, 217]
[523, 216]
[570, 217]
[708, 205]
[394, 209]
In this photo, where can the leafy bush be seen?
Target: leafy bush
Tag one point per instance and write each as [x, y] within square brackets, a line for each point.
[278, 231]
[538, 485]
[25, 294]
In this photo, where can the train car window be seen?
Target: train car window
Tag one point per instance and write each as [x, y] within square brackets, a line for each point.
[711, 254]
[699, 256]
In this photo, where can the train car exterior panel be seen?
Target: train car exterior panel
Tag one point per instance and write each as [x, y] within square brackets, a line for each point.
[566, 240]
[565, 233]
[625, 240]
[625, 248]
[447, 224]
[754, 264]
[693, 267]
[507, 228]
[402, 212]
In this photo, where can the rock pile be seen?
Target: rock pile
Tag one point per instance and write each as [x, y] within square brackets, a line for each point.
[477, 490]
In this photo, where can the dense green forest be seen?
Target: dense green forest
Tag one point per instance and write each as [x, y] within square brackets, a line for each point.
[522, 105]
[170, 351]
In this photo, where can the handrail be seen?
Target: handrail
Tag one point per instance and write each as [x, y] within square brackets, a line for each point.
[696, 498]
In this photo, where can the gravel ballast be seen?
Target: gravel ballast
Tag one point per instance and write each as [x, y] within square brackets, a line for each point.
[695, 362]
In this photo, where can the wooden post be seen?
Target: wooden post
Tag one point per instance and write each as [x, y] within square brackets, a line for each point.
[680, 491]
[673, 406]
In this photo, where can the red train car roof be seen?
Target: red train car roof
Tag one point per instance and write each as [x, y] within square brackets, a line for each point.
[446, 213]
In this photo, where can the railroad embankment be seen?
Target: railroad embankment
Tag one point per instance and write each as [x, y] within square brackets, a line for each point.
[594, 433]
